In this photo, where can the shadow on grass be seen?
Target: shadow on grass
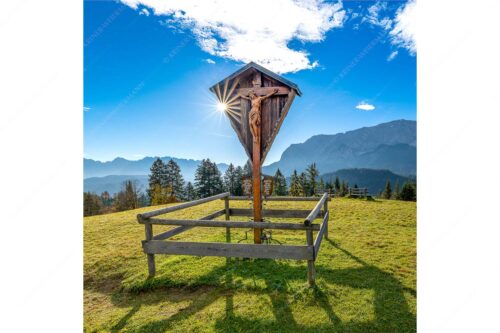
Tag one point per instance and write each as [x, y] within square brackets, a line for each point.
[391, 310]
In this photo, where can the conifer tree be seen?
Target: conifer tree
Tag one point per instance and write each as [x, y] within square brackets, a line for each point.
[189, 192]
[409, 191]
[296, 188]
[388, 190]
[304, 183]
[232, 180]
[174, 181]
[344, 189]
[312, 174]
[238, 190]
[280, 188]
[143, 200]
[91, 204]
[337, 184]
[397, 191]
[128, 197]
[322, 186]
[208, 180]
[247, 169]
[156, 177]
[106, 199]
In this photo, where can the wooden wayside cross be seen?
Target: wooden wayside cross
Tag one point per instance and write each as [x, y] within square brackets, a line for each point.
[256, 102]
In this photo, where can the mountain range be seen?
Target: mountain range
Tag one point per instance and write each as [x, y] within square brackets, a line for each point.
[390, 146]
[385, 147]
[120, 166]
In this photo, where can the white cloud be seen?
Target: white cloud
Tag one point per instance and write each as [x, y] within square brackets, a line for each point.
[404, 32]
[365, 106]
[374, 12]
[392, 55]
[144, 11]
[85, 109]
[209, 61]
[258, 31]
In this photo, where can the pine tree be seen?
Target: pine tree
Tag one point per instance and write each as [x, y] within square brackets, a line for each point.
[208, 180]
[312, 174]
[329, 187]
[232, 180]
[247, 169]
[304, 183]
[105, 198]
[143, 200]
[156, 177]
[321, 186]
[344, 189]
[397, 191]
[91, 204]
[279, 184]
[189, 192]
[296, 188]
[388, 190]
[174, 181]
[409, 191]
[337, 185]
[128, 197]
[238, 190]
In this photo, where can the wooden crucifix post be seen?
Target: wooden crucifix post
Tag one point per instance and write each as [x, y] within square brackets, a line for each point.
[254, 119]
[256, 123]
[257, 193]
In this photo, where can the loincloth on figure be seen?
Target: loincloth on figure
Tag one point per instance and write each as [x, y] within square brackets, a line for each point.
[254, 122]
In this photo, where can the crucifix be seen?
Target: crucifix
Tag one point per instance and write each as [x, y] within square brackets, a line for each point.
[256, 96]
[257, 121]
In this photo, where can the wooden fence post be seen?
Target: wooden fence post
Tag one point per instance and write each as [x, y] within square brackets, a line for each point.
[325, 209]
[226, 208]
[311, 271]
[151, 257]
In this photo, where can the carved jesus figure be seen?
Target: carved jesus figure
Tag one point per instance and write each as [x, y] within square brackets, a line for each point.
[255, 112]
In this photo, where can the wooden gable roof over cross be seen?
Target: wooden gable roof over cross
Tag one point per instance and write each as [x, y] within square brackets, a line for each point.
[261, 82]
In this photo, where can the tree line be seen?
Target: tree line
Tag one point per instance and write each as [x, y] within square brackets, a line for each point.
[166, 185]
[408, 192]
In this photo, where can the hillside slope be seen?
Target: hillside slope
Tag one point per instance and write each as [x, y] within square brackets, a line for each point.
[366, 277]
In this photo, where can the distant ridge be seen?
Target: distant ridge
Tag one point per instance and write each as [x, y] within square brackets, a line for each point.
[113, 183]
[374, 180]
[390, 146]
[121, 166]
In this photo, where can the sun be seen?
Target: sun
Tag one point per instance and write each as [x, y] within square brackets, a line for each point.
[221, 107]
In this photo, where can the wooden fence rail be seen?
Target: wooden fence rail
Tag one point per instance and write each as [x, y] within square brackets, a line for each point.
[358, 192]
[272, 198]
[157, 244]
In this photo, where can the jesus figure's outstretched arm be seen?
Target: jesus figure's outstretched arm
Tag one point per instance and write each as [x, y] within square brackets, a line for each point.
[269, 95]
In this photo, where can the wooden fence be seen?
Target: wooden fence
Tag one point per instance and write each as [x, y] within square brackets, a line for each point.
[158, 244]
[358, 192]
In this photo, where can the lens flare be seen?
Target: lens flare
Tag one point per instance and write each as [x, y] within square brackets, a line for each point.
[221, 107]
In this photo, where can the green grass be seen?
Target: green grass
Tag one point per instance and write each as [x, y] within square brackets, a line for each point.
[366, 276]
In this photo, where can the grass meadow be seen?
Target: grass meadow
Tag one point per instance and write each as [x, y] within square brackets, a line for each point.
[365, 275]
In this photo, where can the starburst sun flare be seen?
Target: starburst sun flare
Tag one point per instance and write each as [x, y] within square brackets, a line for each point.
[228, 100]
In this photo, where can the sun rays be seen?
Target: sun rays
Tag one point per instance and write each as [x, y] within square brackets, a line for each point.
[228, 102]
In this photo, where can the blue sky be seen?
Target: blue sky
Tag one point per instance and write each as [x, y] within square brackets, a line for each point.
[148, 66]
